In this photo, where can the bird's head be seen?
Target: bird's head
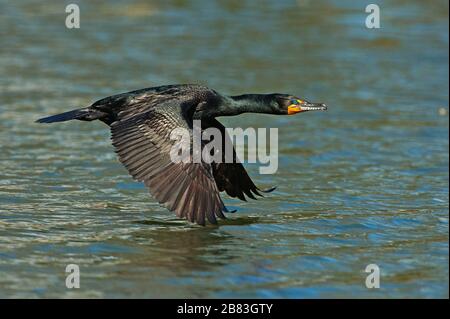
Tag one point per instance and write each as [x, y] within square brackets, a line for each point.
[289, 105]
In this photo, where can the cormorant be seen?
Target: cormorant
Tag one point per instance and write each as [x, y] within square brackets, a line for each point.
[141, 122]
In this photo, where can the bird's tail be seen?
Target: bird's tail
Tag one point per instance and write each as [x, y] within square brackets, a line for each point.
[83, 114]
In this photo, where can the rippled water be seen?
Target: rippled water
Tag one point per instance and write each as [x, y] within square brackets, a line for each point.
[365, 182]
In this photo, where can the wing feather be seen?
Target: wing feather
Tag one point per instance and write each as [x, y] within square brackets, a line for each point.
[142, 142]
[232, 177]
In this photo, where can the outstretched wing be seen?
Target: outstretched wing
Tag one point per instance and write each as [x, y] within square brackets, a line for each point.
[143, 144]
[232, 177]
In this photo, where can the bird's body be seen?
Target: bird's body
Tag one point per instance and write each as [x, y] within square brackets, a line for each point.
[141, 123]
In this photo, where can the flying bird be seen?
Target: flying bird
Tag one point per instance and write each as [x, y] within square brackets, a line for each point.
[141, 122]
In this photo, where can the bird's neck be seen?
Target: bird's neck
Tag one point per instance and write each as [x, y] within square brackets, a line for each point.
[247, 103]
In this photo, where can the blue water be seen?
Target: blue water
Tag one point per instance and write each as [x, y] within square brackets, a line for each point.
[365, 182]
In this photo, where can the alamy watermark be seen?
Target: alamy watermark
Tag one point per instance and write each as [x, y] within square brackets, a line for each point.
[373, 19]
[373, 279]
[73, 17]
[73, 278]
[209, 145]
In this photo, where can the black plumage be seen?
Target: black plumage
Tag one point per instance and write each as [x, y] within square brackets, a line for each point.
[141, 122]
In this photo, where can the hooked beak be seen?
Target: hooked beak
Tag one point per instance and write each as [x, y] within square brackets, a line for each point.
[297, 108]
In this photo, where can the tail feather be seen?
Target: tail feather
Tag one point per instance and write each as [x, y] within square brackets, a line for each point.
[78, 114]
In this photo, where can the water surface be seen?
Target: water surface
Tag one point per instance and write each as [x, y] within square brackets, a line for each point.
[365, 182]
